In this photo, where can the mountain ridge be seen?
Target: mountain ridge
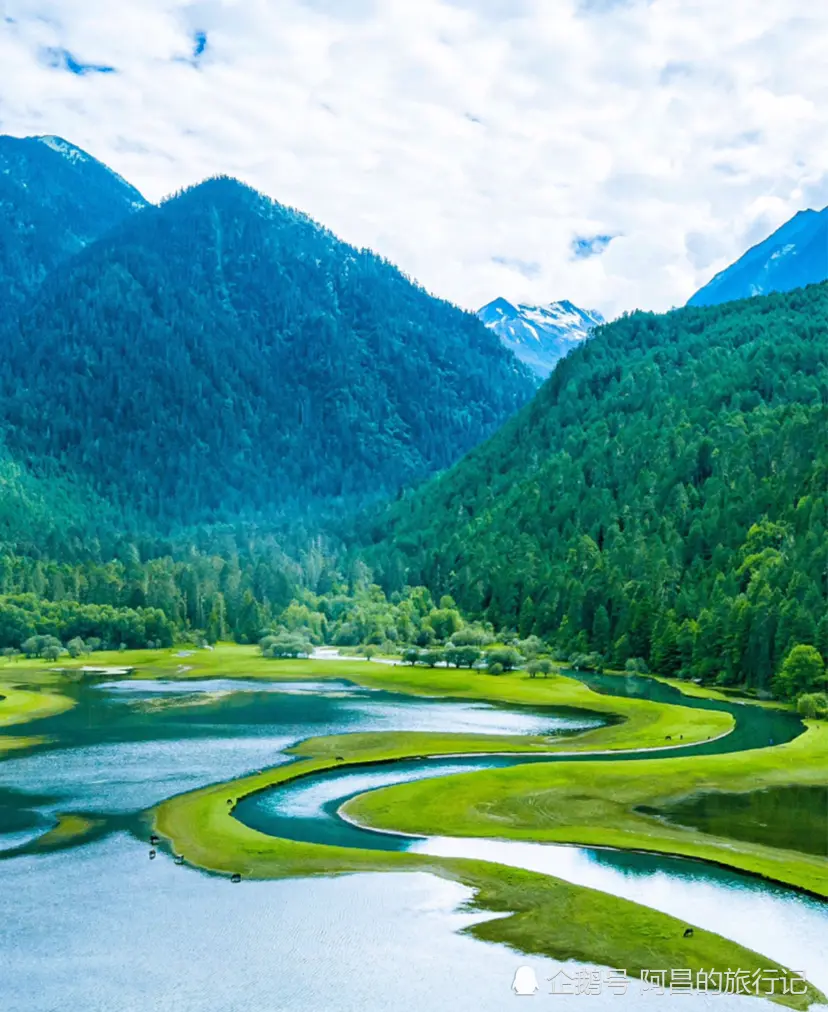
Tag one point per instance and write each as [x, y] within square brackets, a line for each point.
[55, 199]
[793, 256]
[223, 356]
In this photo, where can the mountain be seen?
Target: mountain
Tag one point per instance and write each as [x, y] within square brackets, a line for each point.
[794, 256]
[539, 335]
[54, 200]
[222, 357]
[662, 499]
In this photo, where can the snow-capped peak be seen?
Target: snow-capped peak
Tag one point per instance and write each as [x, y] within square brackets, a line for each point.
[539, 335]
[62, 147]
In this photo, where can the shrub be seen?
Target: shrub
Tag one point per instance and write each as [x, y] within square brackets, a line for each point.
[495, 669]
[587, 662]
[813, 705]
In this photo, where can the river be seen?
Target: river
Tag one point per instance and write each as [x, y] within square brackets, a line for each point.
[100, 927]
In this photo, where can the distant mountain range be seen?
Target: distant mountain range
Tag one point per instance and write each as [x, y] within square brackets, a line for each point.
[54, 200]
[222, 356]
[794, 256]
[539, 335]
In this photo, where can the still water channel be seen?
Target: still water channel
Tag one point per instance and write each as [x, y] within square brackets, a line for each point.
[100, 928]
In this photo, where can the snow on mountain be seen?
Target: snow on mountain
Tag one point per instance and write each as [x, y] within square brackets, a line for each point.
[64, 148]
[793, 256]
[540, 335]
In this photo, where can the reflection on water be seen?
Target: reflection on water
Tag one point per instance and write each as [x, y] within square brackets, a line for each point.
[793, 817]
[103, 929]
[779, 923]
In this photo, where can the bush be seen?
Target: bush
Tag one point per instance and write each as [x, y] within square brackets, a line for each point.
[471, 636]
[636, 666]
[813, 705]
[495, 669]
[531, 647]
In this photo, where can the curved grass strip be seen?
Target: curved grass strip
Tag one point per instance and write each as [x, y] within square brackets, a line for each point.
[544, 915]
[595, 805]
[20, 706]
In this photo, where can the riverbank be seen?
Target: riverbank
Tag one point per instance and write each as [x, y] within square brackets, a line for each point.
[630, 723]
[598, 928]
[543, 915]
[23, 706]
[591, 805]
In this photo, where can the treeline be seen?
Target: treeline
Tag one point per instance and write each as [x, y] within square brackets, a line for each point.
[664, 499]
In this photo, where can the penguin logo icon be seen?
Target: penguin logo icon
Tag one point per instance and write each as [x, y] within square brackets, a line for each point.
[525, 981]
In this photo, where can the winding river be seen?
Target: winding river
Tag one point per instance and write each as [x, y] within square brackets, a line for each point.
[99, 927]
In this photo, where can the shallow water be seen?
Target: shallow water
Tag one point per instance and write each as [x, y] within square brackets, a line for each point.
[793, 817]
[100, 927]
[122, 934]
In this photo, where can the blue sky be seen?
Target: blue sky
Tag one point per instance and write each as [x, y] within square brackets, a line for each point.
[616, 153]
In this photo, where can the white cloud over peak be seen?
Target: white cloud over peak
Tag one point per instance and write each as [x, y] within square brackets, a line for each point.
[473, 142]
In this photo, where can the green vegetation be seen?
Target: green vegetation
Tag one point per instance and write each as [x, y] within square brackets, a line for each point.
[802, 671]
[601, 804]
[663, 498]
[23, 705]
[51, 206]
[269, 365]
[545, 915]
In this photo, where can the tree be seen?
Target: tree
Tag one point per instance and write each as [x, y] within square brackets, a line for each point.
[802, 671]
[445, 622]
[216, 629]
[432, 657]
[462, 657]
[601, 630]
[542, 666]
[285, 644]
[506, 658]
[75, 647]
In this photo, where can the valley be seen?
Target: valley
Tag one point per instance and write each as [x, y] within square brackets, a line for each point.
[284, 821]
[350, 637]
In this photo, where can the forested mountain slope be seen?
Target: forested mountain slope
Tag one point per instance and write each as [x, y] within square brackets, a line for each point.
[664, 496]
[54, 200]
[222, 357]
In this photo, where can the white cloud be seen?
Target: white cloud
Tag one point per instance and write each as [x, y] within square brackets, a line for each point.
[460, 138]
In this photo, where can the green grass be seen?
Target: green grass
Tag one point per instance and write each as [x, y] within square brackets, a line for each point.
[24, 705]
[640, 723]
[594, 804]
[545, 915]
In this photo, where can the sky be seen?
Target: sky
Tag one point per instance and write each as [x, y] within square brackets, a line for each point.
[616, 153]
